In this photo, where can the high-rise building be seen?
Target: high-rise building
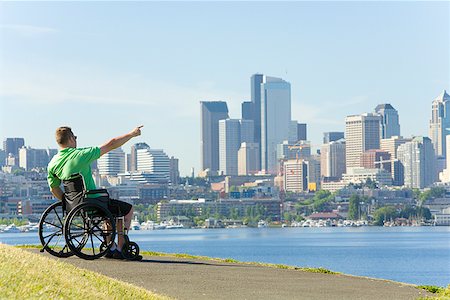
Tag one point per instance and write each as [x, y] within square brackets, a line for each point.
[440, 123]
[255, 89]
[391, 144]
[211, 113]
[293, 150]
[2, 158]
[112, 163]
[376, 159]
[155, 164]
[247, 131]
[247, 110]
[275, 120]
[174, 171]
[12, 145]
[30, 158]
[295, 175]
[248, 162]
[301, 132]
[418, 160]
[332, 159]
[229, 143]
[332, 136]
[362, 133]
[133, 155]
[389, 125]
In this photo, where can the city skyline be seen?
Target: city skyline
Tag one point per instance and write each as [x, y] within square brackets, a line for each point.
[155, 73]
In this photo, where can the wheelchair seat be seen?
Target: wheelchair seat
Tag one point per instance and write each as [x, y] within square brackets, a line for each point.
[75, 193]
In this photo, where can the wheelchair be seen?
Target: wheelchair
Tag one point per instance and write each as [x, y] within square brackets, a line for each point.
[82, 224]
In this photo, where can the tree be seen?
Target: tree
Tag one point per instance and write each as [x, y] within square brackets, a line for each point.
[383, 214]
[353, 207]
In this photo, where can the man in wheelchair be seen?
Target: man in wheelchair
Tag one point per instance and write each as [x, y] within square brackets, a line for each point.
[71, 160]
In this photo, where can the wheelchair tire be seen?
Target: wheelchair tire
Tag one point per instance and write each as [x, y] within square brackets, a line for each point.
[130, 251]
[90, 230]
[51, 233]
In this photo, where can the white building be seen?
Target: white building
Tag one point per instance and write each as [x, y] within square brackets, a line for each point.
[229, 143]
[362, 133]
[440, 123]
[332, 159]
[248, 159]
[418, 160]
[111, 163]
[295, 175]
[155, 163]
[275, 120]
[360, 175]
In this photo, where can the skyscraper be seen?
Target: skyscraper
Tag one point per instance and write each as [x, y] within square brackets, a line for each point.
[30, 158]
[229, 143]
[275, 119]
[174, 171]
[248, 162]
[133, 155]
[301, 132]
[255, 89]
[389, 125]
[418, 160]
[332, 159]
[154, 164]
[332, 136]
[440, 123]
[12, 145]
[211, 113]
[362, 133]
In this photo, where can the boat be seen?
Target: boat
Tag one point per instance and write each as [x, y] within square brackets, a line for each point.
[12, 228]
[262, 224]
[135, 224]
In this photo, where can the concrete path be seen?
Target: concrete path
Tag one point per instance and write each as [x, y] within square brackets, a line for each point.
[199, 279]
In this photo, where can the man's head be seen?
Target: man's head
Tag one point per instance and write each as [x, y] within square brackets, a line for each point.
[65, 137]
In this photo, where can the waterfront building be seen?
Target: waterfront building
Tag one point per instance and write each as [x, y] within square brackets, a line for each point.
[418, 160]
[332, 136]
[211, 113]
[389, 125]
[358, 175]
[174, 171]
[440, 123]
[332, 158]
[248, 162]
[302, 132]
[362, 133]
[275, 120]
[111, 163]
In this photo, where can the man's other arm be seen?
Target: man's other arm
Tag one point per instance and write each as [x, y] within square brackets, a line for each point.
[57, 192]
[120, 140]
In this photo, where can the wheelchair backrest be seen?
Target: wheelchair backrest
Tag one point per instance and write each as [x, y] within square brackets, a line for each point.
[74, 191]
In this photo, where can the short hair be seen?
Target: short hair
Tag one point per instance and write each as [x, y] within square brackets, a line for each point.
[63, 135]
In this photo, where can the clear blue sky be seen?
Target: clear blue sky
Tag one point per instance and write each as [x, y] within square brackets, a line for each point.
[104, 67]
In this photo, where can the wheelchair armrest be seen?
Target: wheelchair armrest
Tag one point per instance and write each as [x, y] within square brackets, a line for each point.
[99, 191]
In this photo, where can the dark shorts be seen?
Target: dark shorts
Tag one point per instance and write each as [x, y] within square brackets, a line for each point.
[119, 208]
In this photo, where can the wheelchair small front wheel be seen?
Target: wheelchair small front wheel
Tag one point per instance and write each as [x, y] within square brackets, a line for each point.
[89, 230]
[130, 251]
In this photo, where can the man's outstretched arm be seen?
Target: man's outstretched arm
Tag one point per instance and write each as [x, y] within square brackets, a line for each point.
[120, 140]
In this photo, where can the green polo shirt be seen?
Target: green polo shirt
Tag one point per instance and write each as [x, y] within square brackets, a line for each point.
[71, 161]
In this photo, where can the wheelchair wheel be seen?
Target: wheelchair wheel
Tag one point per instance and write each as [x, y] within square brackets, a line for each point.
[51, 231]
[130, 250]
[89, 230]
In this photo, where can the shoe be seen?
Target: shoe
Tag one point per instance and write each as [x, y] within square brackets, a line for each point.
[109, 254]
[117, 255]
[138, 258]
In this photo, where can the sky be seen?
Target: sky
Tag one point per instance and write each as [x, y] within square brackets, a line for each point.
[105, 67]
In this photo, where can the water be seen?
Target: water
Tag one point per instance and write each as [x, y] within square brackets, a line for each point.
[418, 255]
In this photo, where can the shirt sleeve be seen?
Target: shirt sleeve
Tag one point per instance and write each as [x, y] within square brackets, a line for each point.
[90, 154]
[52, 180]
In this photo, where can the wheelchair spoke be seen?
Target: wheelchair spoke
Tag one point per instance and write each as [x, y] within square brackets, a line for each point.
[52, 235]
[101, 240]
[92, 243]
[57, 215]
[57, 242]
[60, 227]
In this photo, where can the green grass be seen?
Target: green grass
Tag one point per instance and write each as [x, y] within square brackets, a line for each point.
[25, 275]
[440, 292]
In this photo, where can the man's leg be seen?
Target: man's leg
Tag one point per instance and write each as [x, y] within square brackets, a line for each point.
[121, 230]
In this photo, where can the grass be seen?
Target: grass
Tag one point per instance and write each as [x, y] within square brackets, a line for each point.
[440, 292]
[25, 275]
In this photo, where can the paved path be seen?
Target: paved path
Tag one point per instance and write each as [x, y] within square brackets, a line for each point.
[198, 279]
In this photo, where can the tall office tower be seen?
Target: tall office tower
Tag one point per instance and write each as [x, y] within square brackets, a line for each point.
[295, 175]
[301, 132]
[444, 176]
[440, 123]
[30, 158]
[255, 89]
[332, 136]
[389, 121]
[12, 145]
[332, 159]
[155, 163]
[248, 162]
[2, 158]
[211, 113]
[293, 132]
[112, 163]
[362, 133]
[418, 160]
[314, 172]
[133, 155]
[376, 159]
[174, 171]
[247, 110]
[391, 144]
[229, 143]
[247, 131]
[275, 120]
[293, 150]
